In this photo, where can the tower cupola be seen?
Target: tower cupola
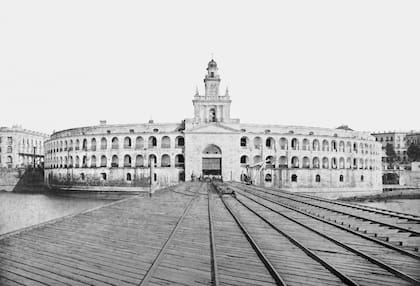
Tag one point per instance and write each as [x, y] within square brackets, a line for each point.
[212, 79]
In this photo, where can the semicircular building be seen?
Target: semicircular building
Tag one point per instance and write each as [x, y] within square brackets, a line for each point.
[116, 157]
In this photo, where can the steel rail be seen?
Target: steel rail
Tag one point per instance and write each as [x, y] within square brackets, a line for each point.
[354, 250]
[155, 264]
[414, 232]
[383, 243]
[276, 276]
[347, 280]
[214, 272]
[395, 214]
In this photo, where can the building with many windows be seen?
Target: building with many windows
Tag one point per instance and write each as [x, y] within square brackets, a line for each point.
[20, 147]
[212, 144]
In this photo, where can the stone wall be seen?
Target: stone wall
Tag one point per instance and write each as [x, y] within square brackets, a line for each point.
[21, 180]
[107, 179]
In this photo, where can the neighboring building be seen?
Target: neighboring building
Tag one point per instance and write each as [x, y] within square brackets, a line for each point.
[413, 137]
[213, 144]
[398, 141]
[19, 147]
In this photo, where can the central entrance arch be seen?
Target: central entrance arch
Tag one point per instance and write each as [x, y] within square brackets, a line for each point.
[212, 161]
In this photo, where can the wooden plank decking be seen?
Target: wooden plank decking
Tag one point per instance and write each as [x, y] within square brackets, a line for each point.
[181, 236]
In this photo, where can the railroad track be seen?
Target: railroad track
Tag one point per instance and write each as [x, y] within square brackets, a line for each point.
[402, 230]
[309, 229]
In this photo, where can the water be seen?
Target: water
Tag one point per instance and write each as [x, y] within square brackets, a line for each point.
[411, 206]
[22, 210]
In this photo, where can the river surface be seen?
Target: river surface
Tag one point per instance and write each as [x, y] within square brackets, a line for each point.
[22, 210]
[401, 205]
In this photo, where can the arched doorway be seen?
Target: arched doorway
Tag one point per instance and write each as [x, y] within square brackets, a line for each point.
[212, 162]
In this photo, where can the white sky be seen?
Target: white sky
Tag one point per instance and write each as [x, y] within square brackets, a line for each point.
[66, 64]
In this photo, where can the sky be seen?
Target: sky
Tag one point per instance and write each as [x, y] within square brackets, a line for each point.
[66, 64]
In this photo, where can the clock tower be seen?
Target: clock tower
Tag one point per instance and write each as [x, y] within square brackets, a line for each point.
[212, 107]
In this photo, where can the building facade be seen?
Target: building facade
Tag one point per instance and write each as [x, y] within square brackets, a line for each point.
[413, 137]
[212, 144]
[21, 148]
[400, 141]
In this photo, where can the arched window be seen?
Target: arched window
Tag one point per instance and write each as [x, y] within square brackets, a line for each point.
[257, 142]
[77, 145]
[166, 142]
[115, 144]
[269, 143]
[9, 162]
[348, 146]
[268, 178]
[71, 162]
[283, 162]
[354, 163]
[348, 163]
[103, 161]
[325, 163]
[341, 178]
[334, 163]
[244, 141]
[294, 178]
[283, 143]
[128, 177]
[341, 147]
[84, 162]
[244, 159]
[152, 160]
[342, 163]
[295, 144]
[361, 163]
[152, 142]
[305, 144]
[139, 161]
[295, 162]
[127, 161]
[166, 161]
[77, 165]
[103, 143]
[305, 162]
[139, 143]
[127, 143]
[114, 162]
[315, 163]
[270, 161]
[179, 161]
[318, 178]
[92, 144]
[355, 147]
[179, 142]
[315, 145]
[84, 145]
[366, 164]
[334, 146]
[212, 115]
[65, 145]
[325, 145]
[93, 161]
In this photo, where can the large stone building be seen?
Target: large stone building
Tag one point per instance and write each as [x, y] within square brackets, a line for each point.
[214, 144]
[20, 147]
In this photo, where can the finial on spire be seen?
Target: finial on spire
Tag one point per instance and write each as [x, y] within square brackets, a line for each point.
[227, 91]
[196, 91]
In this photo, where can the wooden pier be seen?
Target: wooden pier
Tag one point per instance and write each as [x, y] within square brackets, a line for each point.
[223, 234]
